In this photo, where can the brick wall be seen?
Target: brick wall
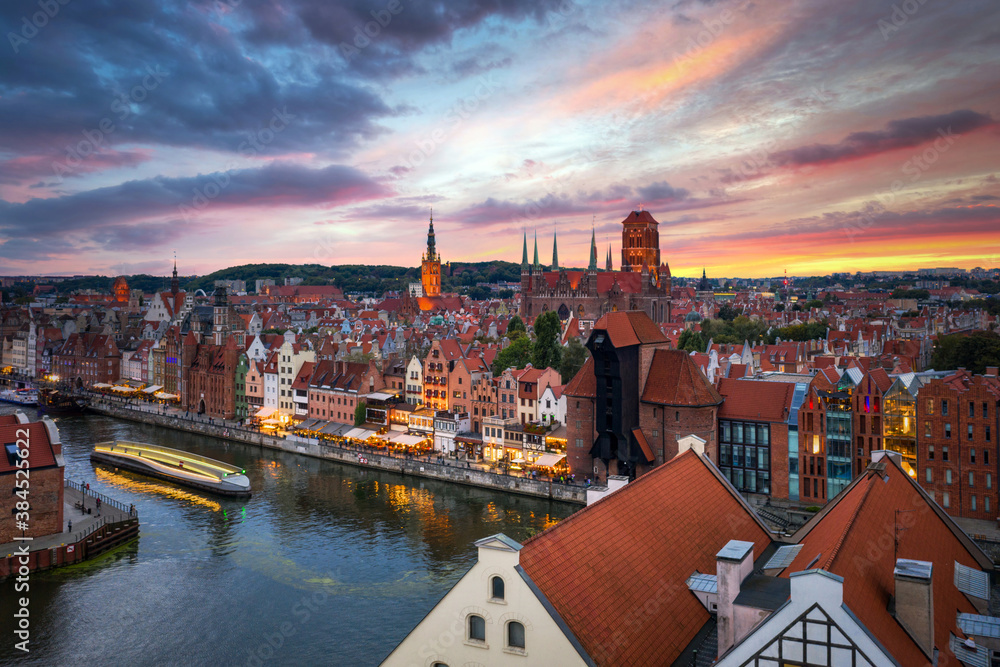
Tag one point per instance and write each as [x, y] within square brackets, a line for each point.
[959, 455]
[45, 494]
[580, 435]
[664, 425]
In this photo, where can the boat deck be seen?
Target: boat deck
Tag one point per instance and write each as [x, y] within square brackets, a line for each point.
[180, 466]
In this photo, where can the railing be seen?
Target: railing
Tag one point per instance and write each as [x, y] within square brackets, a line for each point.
[101, 523]
[773, 518]
[131, 511]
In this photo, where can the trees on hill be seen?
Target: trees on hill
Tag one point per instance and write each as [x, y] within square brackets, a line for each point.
[973, 352]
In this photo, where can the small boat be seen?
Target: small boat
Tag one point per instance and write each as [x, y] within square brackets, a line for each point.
[174, 465]
[54, 402]
[19, 396]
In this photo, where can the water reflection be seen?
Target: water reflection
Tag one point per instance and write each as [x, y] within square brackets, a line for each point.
[209, 577]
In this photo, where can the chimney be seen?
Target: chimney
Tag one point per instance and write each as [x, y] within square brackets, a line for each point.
[914, 601]
[691, 442]
[991, 370]
[615, 482]
[879, 454]
[732, 565]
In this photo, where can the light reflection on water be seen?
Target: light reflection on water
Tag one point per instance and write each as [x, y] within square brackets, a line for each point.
[353, 559]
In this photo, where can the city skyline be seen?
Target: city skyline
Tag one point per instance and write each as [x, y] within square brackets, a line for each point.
[806, 137]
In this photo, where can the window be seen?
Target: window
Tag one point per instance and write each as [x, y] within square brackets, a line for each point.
[947, 476]
[947, 430]
[987, 433]
[944, 453]
[972, 479]
[972, 410]
[496, 588]
[677, 416]
[986, 409]
[986, 504]
[477, 628]
[515, 635]
[930, 406]
[930, 476]
[927, 429]
[946, 499]
[973, 506]
[989, 481]
[969, 431]
[944, 407]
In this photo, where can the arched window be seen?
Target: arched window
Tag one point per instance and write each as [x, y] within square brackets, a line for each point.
[515, 635]
[477, 628]
[496, 588]
[439, 664]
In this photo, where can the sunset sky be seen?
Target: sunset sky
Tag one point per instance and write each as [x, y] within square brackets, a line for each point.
[813, 136]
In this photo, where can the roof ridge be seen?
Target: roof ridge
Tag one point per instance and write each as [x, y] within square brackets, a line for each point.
[578, 513]
[848, 524]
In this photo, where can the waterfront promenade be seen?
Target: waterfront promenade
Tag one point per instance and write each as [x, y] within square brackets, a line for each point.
[431, 466]
[92, 524]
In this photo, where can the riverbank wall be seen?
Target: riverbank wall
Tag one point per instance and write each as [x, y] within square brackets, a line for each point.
[457, 472]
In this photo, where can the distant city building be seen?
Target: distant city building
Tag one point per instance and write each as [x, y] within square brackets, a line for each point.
[642, 284]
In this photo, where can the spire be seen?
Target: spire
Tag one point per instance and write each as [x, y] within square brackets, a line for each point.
[524, 252]
[175, 284]
[431, 250]
[555, 253]
[536, 266]
[593, 251]
[608, 266]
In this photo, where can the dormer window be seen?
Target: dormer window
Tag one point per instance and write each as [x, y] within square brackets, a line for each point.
[497, 588]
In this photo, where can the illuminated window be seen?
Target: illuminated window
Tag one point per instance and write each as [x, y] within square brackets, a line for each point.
[815, 444]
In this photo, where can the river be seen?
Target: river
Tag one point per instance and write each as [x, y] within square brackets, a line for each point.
[325, 564]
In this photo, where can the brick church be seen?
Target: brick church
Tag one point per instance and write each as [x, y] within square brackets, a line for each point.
[643, 283]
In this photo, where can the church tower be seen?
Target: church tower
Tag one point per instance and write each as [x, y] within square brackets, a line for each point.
[220, 316]
[430, 267]
[640, 241]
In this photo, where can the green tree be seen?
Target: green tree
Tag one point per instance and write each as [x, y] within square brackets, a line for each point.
[691, 341]
[815, 303]
[360, 413]
[973, 352]
[479, 293]
[727, 313]
[515, 355]
[547, 350]
[574, 355]
[515, 324]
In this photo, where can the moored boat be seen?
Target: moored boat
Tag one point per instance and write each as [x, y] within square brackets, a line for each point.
[54, 402]
[175, 465]
[19, 396]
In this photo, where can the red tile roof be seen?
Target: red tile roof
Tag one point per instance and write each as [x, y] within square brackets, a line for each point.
[854, 538]
[583, 384]
[40, 454]
[616, 570]
[755, 399]
[632, 327]
[675, 380]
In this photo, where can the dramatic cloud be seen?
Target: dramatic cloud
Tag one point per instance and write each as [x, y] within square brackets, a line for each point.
[897, 134]
[114, 210]
[259, 130]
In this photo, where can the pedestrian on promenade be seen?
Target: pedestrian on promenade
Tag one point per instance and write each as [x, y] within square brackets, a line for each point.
[70, 526]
